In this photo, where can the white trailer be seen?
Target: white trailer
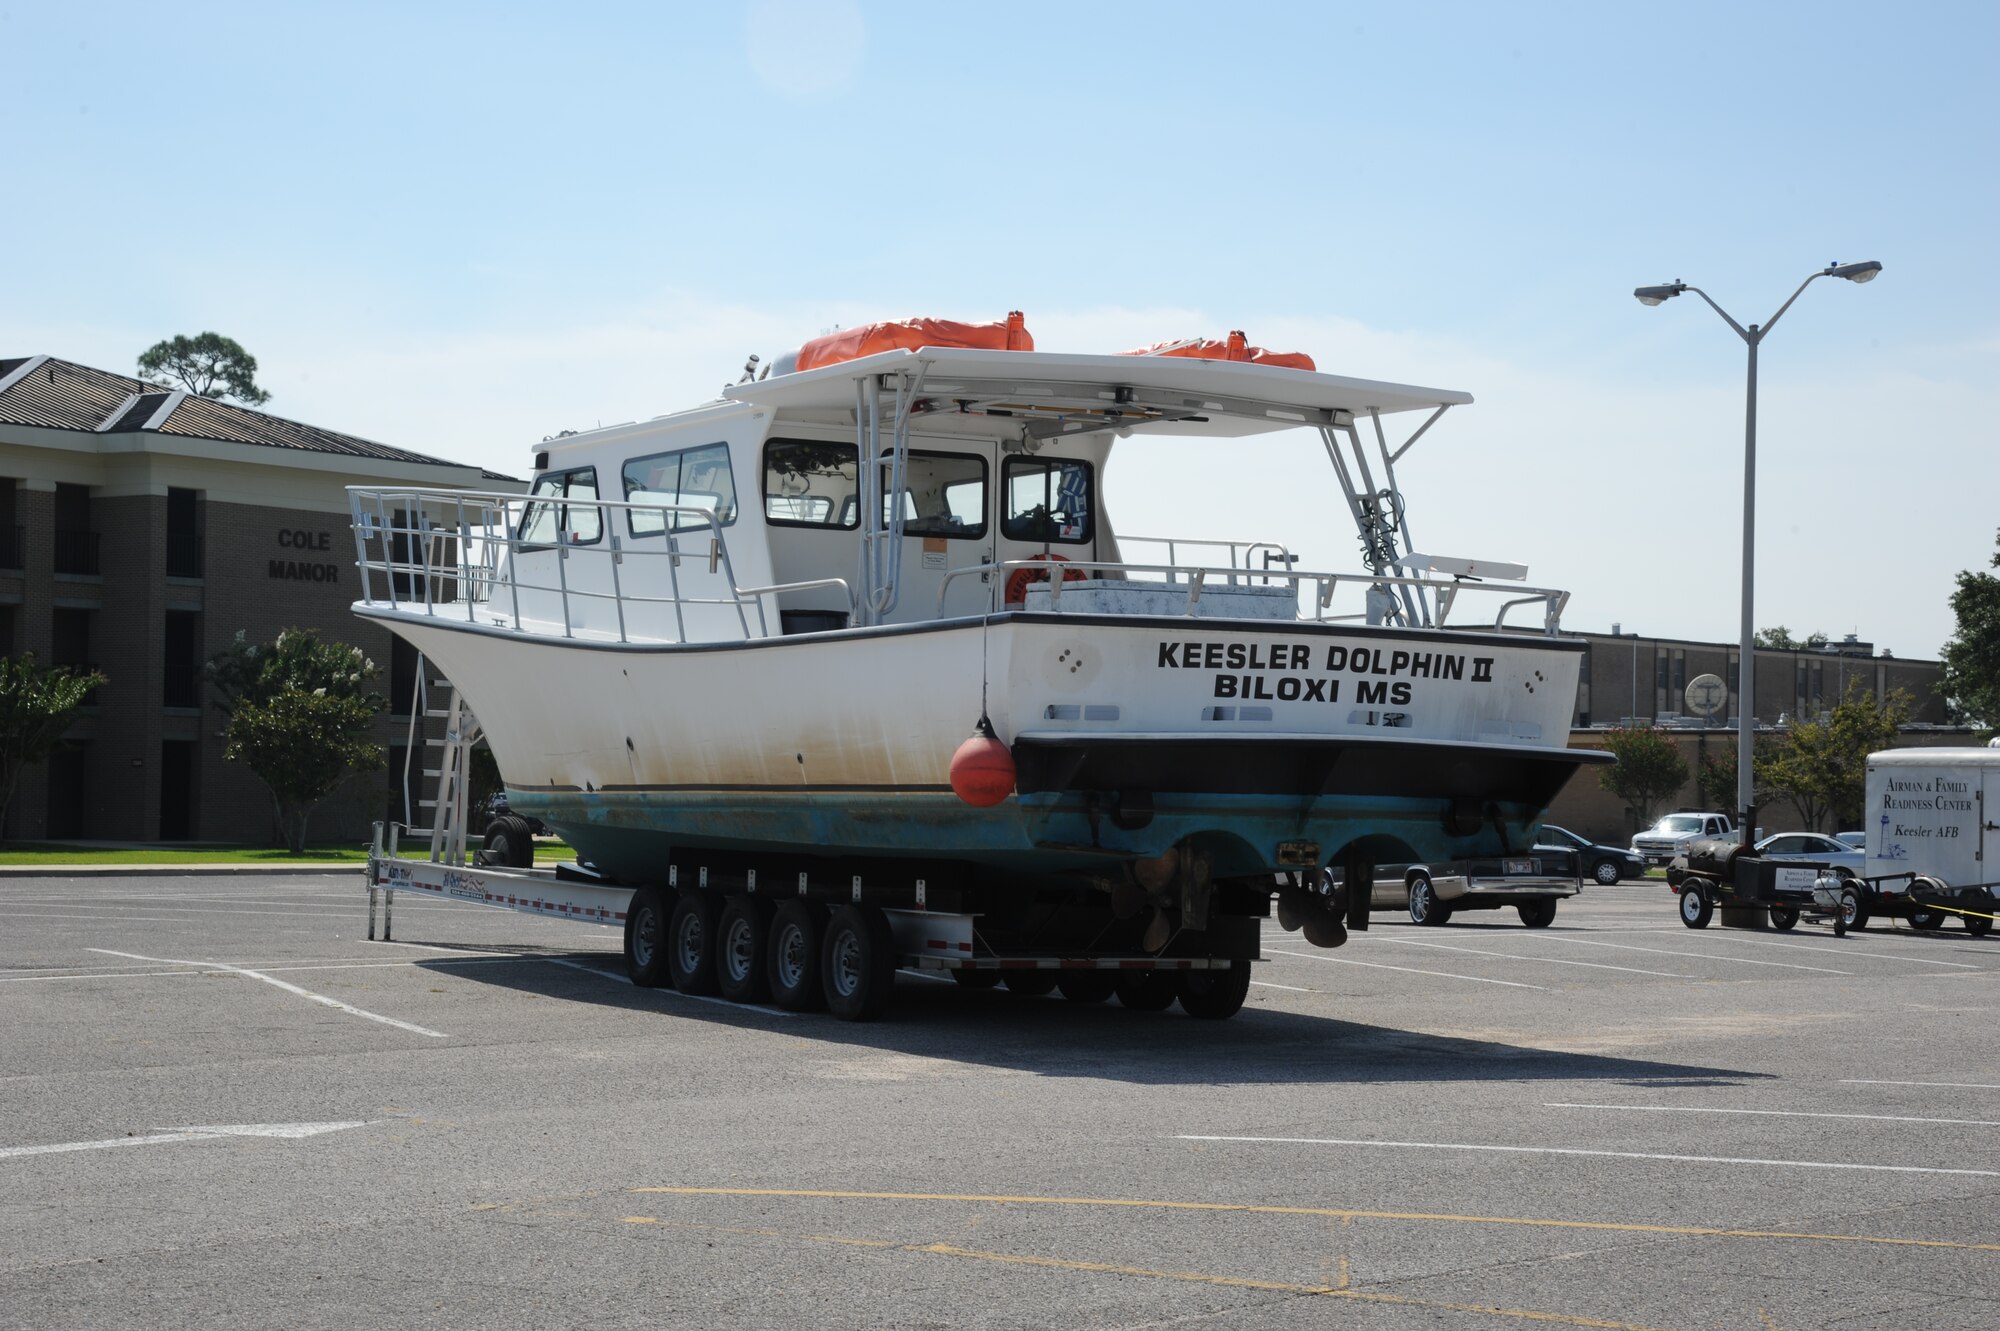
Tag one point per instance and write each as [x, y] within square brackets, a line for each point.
[1933, 840]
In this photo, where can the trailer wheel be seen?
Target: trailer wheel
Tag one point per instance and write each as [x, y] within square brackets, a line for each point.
[742, 960]
[510, 843]
[646, 937]
[1537, 914]
[1783, 917]
[1030, 983]
[1215, 995]
[691, 944]
[858, 963]
[1977, 925]
[1091, 986]
[1146, 991]
[967, 978]
[797, 930]
[1853, 910]
[1697, 908]
[1926, 919]
[1425, 908]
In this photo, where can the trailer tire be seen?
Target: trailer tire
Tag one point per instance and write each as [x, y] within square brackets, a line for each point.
[1537, 914]
[1146, 991]
[967, 978]
[1697, 907]
[1853, 909]
[798, 929]
[858, 963]
[742, 952]
[1977, 925]
[1783, 918]
[646, 938]
[510, 843]
[1092, 986]
[1215, 995]
[1926, 919]
[1425, 908]
[1029, 983]
[691, 944]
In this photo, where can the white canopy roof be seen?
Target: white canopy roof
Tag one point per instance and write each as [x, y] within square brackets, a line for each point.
[1146, 392]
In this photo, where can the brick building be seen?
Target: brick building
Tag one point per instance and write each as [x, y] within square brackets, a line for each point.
[141, 530]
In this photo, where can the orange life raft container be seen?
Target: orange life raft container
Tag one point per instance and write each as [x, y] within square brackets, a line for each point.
[1010, 334]
[1236, 348]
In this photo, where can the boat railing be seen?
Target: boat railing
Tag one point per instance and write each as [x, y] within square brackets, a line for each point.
[440, 552]
[1318, 590]
[1259, 558]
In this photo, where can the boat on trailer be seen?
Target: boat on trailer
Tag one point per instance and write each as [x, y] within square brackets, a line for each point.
[862, 633]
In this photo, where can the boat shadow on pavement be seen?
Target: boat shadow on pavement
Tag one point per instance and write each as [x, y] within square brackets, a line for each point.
[1054, 1037]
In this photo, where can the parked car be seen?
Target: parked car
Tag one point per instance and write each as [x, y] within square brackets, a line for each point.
[1673, 834]
[1814, 847]
[1601, 864]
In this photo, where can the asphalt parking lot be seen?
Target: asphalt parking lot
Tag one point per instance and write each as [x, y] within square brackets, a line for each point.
[221, 1107]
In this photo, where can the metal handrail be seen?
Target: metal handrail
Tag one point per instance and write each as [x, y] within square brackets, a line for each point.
[484, 529]
[1196, 578]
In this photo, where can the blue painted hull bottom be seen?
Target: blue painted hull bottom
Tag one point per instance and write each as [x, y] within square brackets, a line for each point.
[633, 835]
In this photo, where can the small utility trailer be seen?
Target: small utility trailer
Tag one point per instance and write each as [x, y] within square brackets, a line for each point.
[1726, 875]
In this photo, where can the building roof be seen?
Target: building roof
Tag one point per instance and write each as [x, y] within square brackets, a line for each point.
[62, 395]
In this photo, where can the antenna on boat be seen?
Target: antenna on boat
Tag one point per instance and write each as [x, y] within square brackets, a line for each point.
[749, 371]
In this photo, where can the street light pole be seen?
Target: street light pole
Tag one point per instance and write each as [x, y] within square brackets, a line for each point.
[1746, 669]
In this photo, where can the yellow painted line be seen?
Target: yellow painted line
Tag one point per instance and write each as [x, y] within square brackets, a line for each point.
[1612, 1226]
[1149, 1273]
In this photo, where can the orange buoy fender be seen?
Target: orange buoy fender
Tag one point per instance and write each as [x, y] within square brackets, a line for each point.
[982, 771]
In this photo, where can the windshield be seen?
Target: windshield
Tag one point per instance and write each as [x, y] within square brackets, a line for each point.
[1678, 823]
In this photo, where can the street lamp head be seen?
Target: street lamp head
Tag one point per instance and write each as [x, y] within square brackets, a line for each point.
[1661, 294]
[1855, 272]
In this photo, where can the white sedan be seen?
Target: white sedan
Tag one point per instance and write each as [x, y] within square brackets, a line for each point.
[1811, 846]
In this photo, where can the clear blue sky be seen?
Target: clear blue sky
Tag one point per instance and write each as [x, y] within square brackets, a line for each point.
[459, 228]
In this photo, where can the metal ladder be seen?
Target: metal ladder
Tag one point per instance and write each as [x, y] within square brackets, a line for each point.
[440, 700]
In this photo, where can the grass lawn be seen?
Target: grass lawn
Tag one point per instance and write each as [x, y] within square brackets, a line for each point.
[52, 853]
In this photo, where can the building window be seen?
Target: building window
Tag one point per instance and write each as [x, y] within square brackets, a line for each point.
[10, 525]
[76, 541]
[181, 659]
[69, 644]
[183, 534]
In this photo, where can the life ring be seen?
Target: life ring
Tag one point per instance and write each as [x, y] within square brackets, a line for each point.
[1019, 580]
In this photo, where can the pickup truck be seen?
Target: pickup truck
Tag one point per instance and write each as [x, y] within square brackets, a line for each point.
[1673, 834]
[1531, 882]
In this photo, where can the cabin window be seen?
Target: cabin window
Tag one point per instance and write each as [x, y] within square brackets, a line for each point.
[810, 484]
[944, 494]
[563, 505]
[697, 477]
[1048, 501]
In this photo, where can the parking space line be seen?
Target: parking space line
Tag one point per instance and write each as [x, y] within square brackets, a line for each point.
[1411, 970]
[1574, 1150]
[1294, 988]
[322, 999]
[1676, 952]
[1941, 1085]
[1544, 961]
[756, 1009]
[1317, 1212]
[1783, 1113]
[1837, 951]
